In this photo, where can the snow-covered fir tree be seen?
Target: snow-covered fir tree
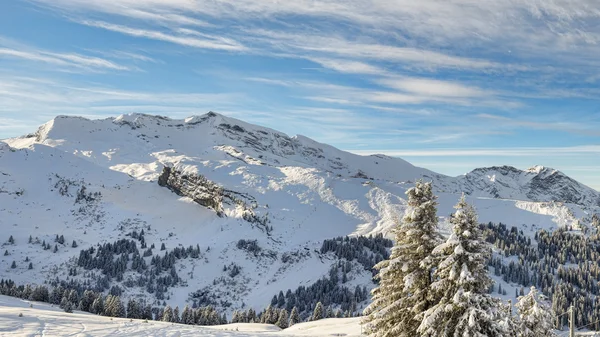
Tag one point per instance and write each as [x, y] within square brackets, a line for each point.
[176, 318]
[73, 297]
[405, 279]
[235, 317]
[133, 310]
[329, 312]
[318, 313]
[85, 304]
[98, 306]
[167, 314]
[187, 315]
[283, 320]
[463, 306]
[535, 318]
[294, 317]
[113, 306]
[269, 316]
[66, 305]
[251, 316]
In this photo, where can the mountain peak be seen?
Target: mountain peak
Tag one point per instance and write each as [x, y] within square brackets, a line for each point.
[538, 169]
[538, 183]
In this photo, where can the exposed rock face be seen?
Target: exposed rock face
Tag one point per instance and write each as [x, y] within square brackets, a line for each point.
[196, 187]
[561, 187]
[208, 194]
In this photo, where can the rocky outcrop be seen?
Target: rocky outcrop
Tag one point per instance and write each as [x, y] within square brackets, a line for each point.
[194, 186]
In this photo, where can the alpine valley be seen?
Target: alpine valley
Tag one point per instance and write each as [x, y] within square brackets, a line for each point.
[211, 210]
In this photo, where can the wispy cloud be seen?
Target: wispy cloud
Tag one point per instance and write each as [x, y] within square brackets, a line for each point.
[66, 60]
[349, 66]
[405, 90]
[211, 42]
[433, 87]
[34, 95]
[491, 152]
[342, 47]
[506, 37]
[124, 55]
[572, 127]
[522, 27]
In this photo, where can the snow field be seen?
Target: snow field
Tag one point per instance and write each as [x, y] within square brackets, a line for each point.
[44, 320]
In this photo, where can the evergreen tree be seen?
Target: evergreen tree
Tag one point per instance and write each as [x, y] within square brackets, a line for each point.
[463, 307]
[133, 309]
[40, 294]
[113, 307]
[405, 279]
[66, 305]
[235, 317]
[85, 304]
[251, 317]
[147, 313]
[13, 265]
[272, 316]
[269, 316]
[294, 317]
[56, 295]
[73, 297]
[167, 314]
[329, 312]
[187, 316]
[318, 313]
[97, 306]
[535, 318]
[283, 319]
[280, 300]
[11, 240]
[176, 317]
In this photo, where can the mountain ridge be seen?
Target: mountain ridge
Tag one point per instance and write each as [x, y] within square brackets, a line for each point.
[537, 183]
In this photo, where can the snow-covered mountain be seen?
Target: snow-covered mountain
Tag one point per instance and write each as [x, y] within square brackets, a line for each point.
[242, 210]
[536, 184]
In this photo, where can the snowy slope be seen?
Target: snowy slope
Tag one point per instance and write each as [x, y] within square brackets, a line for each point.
[43, 320]
[304, 191]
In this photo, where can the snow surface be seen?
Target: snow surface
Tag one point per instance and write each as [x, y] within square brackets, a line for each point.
[43, 320]
[309, 191]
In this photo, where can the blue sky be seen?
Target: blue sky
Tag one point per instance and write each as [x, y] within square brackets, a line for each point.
[450, 85]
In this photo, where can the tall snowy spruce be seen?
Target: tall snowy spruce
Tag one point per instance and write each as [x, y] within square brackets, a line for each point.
[404, 280]
[463, 306]
[535, 318]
